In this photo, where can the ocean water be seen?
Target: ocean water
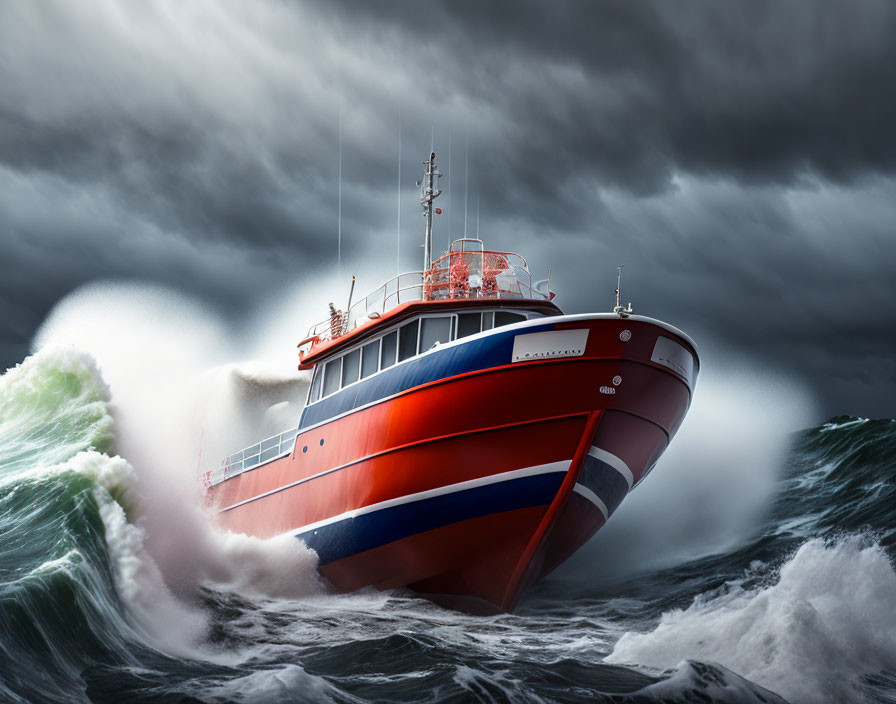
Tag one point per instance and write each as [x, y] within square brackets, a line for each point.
[773, 582]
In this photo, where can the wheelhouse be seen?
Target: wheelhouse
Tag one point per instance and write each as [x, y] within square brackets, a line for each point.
[401, 342]
[467, 290]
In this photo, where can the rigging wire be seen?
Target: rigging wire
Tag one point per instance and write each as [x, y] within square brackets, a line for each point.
[448, 188]
[477, 215]
[398, 230]
[339, 216]
[466, 177]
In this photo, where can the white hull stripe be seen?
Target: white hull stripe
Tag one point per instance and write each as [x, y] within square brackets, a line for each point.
[561, 466]
[583, 490]
[615, 462]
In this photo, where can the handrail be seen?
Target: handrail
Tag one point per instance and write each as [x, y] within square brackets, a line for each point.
[456, 275]
[254, 455]
[377, 301]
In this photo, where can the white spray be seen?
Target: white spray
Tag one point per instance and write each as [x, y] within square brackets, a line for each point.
[175, 397]
[829, 619]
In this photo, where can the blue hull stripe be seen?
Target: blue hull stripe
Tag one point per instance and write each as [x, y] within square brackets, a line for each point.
[605, 481]
[370, 530]
[491, 350]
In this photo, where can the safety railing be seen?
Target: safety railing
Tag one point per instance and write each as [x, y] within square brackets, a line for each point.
[458, 275]
[480, 274]
[254, 455]
[402, 288]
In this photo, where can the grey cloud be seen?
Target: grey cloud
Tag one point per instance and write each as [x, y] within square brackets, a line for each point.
[755, 91]
[738, 157]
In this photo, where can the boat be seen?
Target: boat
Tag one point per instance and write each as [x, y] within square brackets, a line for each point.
[461, 436]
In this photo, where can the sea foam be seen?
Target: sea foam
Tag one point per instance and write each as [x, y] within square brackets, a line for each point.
[829, 619]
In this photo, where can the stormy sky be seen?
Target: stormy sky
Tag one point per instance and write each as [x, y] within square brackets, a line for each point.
[739, 158]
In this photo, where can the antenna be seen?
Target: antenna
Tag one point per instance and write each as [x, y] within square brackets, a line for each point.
[398, 229]
[477, 215]
[428, 194]
[466, 178]
[432, 150]
[618, 309]
[448, 188]
[339, 217]
[618, 285]
[348, 308]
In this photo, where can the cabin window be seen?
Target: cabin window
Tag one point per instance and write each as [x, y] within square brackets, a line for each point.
[390, 344]
[351, 366]
[468, 324]
[332, 372]
[488, 320]
[370, 358]
[407, 340]
[315, 384]
[435, 330]
[503, 317]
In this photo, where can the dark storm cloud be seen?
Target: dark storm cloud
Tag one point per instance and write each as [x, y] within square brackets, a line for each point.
[752, 90]
[738, 157]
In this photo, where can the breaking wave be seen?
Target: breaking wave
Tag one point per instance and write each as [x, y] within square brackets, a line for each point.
[827, 619]
[79, 585]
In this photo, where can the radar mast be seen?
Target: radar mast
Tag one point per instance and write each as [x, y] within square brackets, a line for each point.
[428, 194]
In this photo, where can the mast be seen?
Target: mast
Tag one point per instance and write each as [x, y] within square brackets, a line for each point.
[618, 309]
[618, 287]
[428, 195]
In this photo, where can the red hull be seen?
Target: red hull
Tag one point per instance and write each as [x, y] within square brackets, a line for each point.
[470, 487]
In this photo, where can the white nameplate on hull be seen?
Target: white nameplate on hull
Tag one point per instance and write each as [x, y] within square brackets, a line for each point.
[672, 355]
[549, 345]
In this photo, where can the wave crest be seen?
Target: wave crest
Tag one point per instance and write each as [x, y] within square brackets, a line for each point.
[828, 620]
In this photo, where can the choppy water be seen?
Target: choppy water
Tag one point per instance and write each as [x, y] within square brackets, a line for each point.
[112, 590]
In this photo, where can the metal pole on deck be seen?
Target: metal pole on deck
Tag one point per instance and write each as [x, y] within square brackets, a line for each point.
[348, 309]
[428, 195]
